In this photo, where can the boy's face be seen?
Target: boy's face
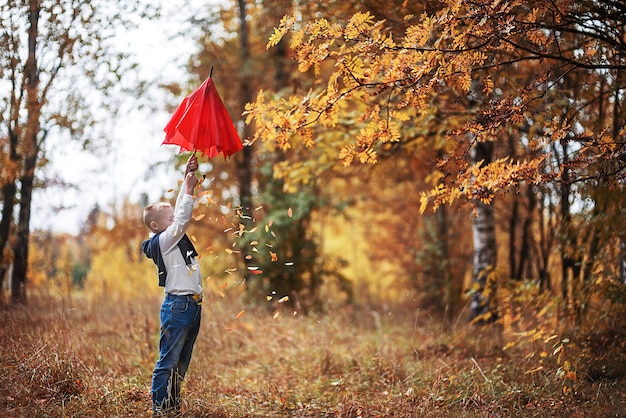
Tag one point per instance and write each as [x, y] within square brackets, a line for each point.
[163, 217]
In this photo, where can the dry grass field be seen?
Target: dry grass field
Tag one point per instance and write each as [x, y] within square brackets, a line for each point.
[83, 356]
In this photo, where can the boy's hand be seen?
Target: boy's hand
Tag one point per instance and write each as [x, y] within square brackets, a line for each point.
[190, 182]
[192, 165]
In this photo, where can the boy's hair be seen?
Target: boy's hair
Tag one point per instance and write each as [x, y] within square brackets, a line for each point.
[150, 211]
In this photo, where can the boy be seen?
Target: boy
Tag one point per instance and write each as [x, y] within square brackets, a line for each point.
[178, 270]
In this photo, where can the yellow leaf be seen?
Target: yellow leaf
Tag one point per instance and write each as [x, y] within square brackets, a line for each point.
[283, 299]
[509, 345]
[239, 315]
[289, 212]
[199, 217]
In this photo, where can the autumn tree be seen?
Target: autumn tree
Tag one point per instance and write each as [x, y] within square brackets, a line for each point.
[55, 56]
[461, 64]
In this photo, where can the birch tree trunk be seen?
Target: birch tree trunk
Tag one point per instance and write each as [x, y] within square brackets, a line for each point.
[484, 239]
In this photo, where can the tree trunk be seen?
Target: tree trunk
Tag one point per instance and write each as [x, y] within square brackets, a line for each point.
[8, 194]
[546, 234]
[243, 162]
[513, 238]
[523, 262]
[622, 259]
[570, 267]
[484, 237]
[20, 249]
[29, 155]
[9, 190]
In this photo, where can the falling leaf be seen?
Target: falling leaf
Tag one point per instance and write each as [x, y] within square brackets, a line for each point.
[252, 268]
[267, 228]
[239, 315]
[255, 250]
[223, 285]
[276, 314]
[256, 271]
[270, 223]
[228, 329]
[268, 298]
[199, 217]
[258, 208]
[290, 263]
[254, 242]
[273, 256]
[228, 250]
[193, 238]
[289, 212]
[170, 190]
[283, 299]
[248, 257]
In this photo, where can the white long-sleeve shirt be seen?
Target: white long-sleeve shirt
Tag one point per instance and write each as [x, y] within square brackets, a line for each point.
[182, 279]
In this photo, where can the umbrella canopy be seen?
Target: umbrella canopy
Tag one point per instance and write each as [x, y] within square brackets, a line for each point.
[201, 123]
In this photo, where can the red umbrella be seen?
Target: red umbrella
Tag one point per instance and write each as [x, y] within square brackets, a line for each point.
[201, 123]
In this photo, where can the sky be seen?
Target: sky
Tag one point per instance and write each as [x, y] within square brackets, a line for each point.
[122, 171]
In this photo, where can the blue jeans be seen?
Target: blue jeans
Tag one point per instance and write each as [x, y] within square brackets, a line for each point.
[180, 323]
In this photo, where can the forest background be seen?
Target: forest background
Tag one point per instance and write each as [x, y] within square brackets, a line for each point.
[427, 217]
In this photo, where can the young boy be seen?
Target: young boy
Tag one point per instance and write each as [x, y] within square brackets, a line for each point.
[175, 256]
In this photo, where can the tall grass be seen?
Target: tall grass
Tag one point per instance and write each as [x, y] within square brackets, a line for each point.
[93, 357]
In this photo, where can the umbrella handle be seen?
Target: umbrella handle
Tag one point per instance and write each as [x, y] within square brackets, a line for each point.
[211, 72]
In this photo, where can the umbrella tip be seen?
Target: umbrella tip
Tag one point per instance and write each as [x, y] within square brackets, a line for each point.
[211, 72]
